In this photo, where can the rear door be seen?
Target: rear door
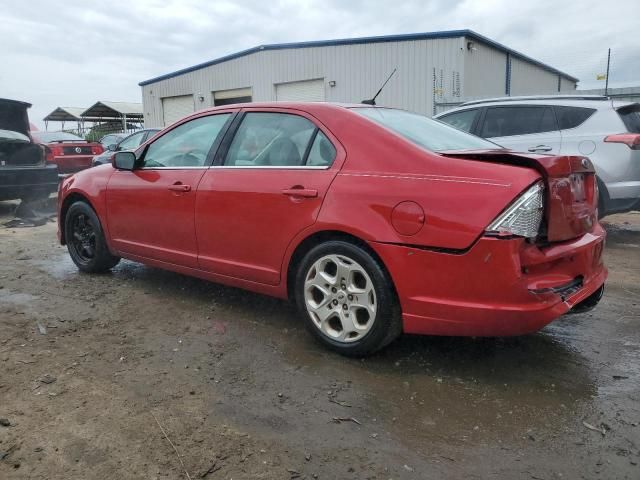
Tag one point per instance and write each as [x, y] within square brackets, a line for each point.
[522, 128]
[268, 186]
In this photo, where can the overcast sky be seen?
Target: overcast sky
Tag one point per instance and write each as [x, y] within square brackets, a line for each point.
[74, 52]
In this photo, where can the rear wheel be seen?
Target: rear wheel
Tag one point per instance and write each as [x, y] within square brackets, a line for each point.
[85, 240]
[347, 299]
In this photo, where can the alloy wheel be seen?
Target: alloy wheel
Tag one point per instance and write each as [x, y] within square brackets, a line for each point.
[83, 237]
[340, 298]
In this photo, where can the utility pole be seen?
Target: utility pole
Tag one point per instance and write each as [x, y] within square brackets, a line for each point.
[606, 84]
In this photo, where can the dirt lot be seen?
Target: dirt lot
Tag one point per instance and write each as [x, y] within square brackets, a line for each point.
[94, 368]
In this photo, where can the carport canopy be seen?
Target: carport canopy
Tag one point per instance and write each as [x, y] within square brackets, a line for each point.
[65, 114]
[114, 110]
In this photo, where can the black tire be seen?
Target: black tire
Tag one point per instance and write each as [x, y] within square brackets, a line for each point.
[603, 199]
[85, 240]
[387, 323]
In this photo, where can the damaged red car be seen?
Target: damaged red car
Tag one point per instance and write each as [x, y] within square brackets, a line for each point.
[374, 221]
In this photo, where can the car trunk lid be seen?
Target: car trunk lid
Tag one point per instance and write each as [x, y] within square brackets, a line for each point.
[16, 146]
[571, 191]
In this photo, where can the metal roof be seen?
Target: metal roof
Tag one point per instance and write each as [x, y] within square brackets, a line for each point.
[470, 34]
[63, 114]
[104, 109]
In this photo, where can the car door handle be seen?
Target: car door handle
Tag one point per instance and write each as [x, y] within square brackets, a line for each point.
[180, 187]
[300, 192]
[541, 148]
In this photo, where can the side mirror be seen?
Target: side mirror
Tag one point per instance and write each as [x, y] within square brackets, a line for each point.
[112, 147]
[124, 160]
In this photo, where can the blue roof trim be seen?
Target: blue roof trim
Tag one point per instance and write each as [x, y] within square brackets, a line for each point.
[358, 41]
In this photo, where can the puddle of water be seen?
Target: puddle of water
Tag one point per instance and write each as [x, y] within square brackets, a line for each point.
[16, 298]
[60, 267]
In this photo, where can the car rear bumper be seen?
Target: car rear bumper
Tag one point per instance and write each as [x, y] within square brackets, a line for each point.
[73, 163]
[27, 182]
[499, 287]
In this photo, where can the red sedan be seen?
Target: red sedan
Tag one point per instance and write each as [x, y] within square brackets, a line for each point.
[374, 221]
[69, 152]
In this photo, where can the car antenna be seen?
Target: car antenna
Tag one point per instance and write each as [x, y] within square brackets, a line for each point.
[373, 100]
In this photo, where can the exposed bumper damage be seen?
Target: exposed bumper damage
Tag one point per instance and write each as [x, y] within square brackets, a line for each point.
[499, 287]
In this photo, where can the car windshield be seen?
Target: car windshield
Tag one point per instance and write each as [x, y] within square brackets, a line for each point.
[48, 137]
[430, 134]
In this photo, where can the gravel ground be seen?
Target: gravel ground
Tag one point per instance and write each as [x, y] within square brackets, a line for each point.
[142, 373]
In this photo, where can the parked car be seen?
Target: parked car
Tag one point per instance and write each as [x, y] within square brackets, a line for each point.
[130, 142]
[112, 139]
[605, 130]
[374, 221]
[69, 152]
[24, 174]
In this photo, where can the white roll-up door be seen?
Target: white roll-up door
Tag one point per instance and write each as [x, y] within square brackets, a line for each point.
[174, 108]
[305, 91]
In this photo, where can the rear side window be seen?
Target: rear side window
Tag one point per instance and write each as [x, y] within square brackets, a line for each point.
[322, 152]
[461, 120]
[508, 121]
[571, 117]
[631, 117]
[272, 140]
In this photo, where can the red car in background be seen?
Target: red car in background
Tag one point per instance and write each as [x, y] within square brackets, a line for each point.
[374, 221]
[69, 152]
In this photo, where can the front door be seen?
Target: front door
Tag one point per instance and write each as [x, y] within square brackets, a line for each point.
[150, 210]
[269, 188]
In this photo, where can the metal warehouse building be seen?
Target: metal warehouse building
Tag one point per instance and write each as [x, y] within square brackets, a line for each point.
[434, 71]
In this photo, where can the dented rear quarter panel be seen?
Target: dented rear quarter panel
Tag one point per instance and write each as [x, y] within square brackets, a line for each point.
[459, 197]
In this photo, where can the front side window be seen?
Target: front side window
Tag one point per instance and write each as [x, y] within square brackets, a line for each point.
[430, 134]
[461, 120]
[270, 140]
[187, 145]
[131, 142]
[516, 120]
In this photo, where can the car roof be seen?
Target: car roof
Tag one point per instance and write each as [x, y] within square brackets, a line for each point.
[589, 101]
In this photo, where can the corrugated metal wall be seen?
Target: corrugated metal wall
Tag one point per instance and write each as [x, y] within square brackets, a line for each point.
[431, 73]
[485, 71]
[529, 79]
[358, 72]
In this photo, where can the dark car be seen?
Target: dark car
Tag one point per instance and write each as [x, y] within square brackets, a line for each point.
[24, 173]
[128, 143]
[69, 152]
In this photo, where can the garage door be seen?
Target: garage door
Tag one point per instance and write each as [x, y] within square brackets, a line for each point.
[306, 91]
[236, 95]
[174, 108]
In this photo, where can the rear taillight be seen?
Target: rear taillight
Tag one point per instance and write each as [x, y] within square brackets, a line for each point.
[631, 140]
[52, 152]
[96, 149]
[523, 217]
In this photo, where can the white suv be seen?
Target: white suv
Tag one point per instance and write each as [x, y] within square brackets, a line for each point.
[605, 130]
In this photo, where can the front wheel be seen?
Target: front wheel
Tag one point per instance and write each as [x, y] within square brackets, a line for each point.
[347, 299]
[85, 240]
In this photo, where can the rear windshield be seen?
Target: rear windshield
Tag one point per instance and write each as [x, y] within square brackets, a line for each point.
[630, 115]
[48, 137]
[430, 134]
